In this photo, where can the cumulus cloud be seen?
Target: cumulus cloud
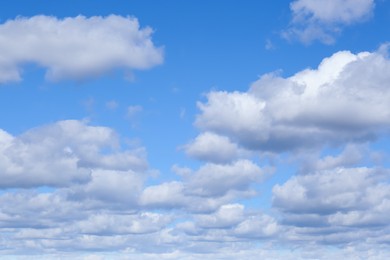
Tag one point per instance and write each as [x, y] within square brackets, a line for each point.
[226, 216]
[165, 195]
[75, 47]
[217, 180]
[109, 224]
[352, 155]
[323, 20]
[231, 223]
[42, 223]
[61, 154]
[336, 203]
[212, 147]
[207, 188]
[117, 188]
[257, 226]
[345, 99]
[77, 189]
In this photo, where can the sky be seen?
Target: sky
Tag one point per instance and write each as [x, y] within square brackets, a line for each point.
[195, 129]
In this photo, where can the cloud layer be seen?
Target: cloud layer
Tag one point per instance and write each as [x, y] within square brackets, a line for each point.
[75, 48]
[70, 187]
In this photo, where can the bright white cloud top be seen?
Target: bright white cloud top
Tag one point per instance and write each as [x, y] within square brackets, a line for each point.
[344, 100]
[75, 48]
[295, 166]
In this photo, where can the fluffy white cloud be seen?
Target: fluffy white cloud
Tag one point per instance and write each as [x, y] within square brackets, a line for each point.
[329, 191]
[75, 47]
[42, 223]
[61, 154]
[105, 224]
[217, 180]
[322, 20]
[336, 203]
[115, 188]
[206, 189]
[257, 226]
[344, 99]
[176, 195]
[352, 155]
[226, 216]
[165, 195]
[212, 147]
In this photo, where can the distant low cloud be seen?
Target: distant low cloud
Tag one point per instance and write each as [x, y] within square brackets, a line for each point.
[207, 188]
[62, 154]
[79, 190]
[322, 20]
[95, 195]
[330, 206]
[344, 100]
[75, 47]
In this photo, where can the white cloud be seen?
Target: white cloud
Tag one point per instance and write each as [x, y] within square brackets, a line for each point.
[322, 20]
[242, 112]
[114, 187]
[226, 216]
[327, 191]
[176, 195]
[352, 155]
[27, 209]
[212, 147]
[75, 47]
[257, 226]
[217, 180]
[344, 100]
[61, 154]
[168, 195]
[336, 206]
[207, 188]
[230, 223]
[105, 224]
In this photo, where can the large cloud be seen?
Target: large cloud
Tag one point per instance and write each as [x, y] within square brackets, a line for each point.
[345, 99]
[76, 47]
[202, 215]
[61, 154]
[322, 20]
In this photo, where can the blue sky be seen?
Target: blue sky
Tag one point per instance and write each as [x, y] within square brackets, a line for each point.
[195, 129]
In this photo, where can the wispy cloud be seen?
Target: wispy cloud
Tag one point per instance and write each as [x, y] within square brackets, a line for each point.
[323, 20]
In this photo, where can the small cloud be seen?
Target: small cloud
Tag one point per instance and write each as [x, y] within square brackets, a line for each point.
[129, 76]
[175, 90]
[89, 104]
[269, 45]
[182, 112]
[112, 105]
[133, 110]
